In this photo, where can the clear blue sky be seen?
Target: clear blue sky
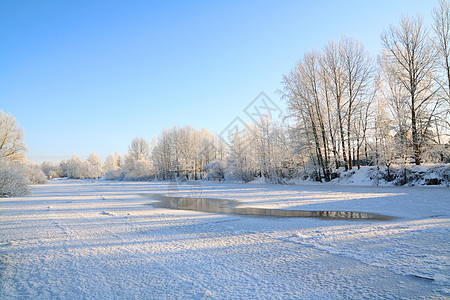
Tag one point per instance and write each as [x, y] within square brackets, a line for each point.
[89, 76]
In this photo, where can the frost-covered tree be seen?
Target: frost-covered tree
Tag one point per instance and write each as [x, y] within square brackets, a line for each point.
[441, 27]
[284, 158]
[112, 162]
[135, 169]
[15, 172]
[241, 159]
[185, 152]
[76, 168]
[136, 165]
[215, 170]
[207, 152]
[441, 124]
[64, 168]
[410, 58]
[12, 146]
[384, 147]
[139, 149]
[304, 97]
[358, 73]
[112, 165]
[333, 73]
[93, 166]
[263, 143]
[393, 123]
[162, 155]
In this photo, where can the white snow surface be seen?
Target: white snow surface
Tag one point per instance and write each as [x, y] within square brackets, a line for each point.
[100, 240]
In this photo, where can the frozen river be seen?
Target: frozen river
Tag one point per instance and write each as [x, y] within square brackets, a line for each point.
[99, 240]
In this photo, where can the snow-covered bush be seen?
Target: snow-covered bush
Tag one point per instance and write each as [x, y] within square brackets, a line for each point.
[215, 171]
[312, 172]
[13, 181]
[235, 172]
[429, 175]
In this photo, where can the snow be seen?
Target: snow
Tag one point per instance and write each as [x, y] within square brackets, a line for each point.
[99, 239]
[376, 176]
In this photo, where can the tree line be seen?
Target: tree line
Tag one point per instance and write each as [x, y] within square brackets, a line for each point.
[345, 109]
[350, 108]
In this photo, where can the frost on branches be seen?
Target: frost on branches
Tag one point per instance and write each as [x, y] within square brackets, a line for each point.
[15, 172]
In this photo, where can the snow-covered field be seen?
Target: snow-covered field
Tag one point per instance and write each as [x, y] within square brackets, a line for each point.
[87, 239]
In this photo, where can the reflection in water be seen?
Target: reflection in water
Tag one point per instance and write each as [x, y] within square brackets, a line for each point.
[230, 207]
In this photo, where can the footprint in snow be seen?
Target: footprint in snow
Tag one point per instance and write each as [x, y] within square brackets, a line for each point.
[105, 213]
